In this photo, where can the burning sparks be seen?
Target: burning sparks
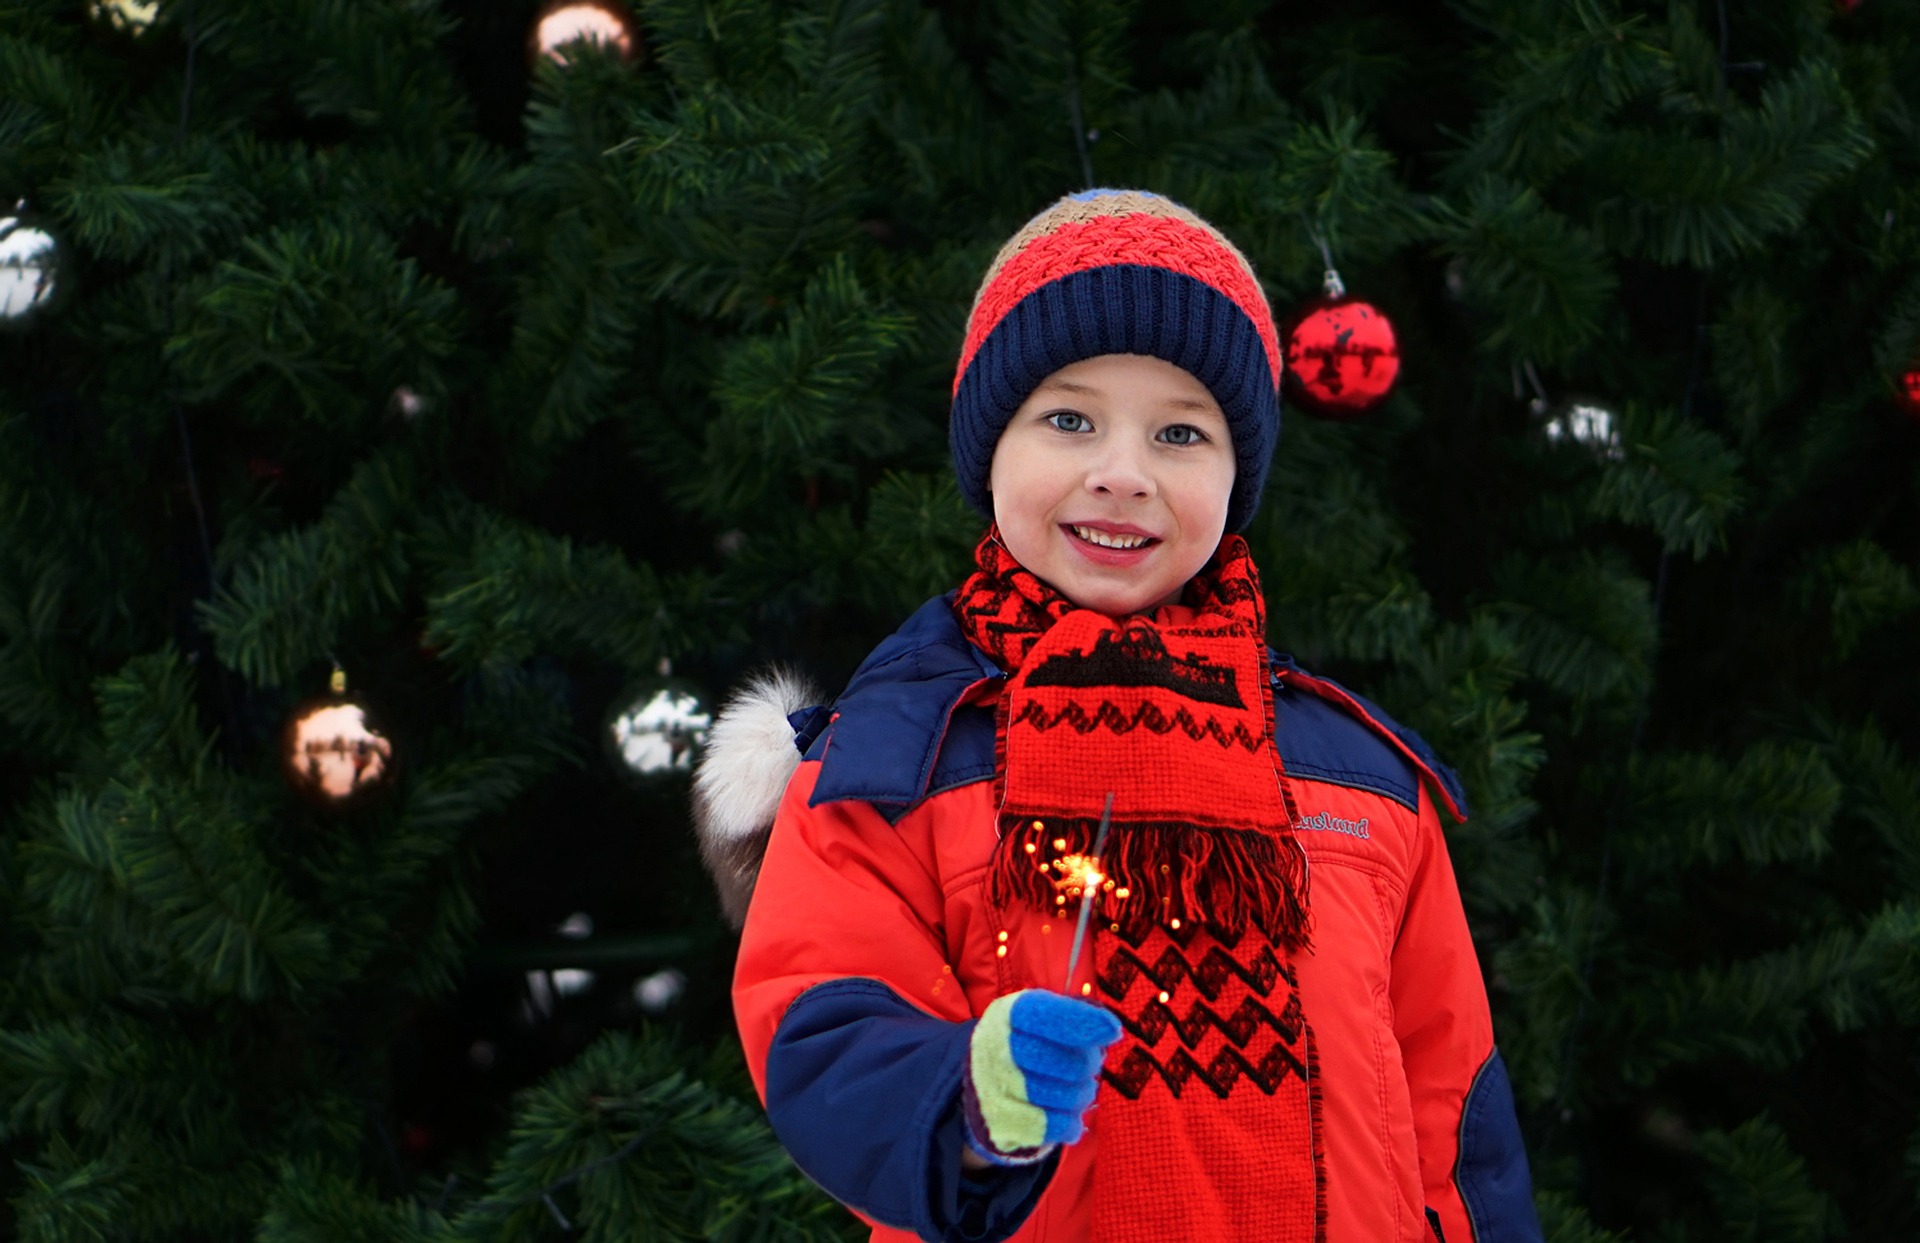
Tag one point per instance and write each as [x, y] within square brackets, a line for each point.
[1076, 874]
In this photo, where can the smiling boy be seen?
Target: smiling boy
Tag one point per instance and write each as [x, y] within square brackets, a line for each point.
[1279, 1031]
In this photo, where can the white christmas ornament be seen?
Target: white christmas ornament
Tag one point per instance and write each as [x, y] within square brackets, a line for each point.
[571, 981]
[656, 992]
[134, 15]
[28, 259]
[1594, 426]
[659, 732]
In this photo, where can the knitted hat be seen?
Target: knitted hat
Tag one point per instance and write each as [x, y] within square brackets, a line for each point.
[1118, 272]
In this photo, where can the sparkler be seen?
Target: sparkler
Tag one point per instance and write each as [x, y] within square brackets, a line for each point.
[1090, 885]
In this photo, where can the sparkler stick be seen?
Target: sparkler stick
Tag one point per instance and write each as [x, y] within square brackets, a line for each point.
[1090, 886]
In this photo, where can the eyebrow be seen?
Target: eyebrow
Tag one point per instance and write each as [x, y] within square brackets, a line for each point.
[1088, 390]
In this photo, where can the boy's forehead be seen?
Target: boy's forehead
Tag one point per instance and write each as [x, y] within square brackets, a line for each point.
[1113, 376]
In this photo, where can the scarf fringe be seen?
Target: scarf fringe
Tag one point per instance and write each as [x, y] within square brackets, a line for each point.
[1222, 879]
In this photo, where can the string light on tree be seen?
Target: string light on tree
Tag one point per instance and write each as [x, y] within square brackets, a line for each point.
[564, 24]
[1341, 355]
[29, 266]
[331, 752]
[407, 403]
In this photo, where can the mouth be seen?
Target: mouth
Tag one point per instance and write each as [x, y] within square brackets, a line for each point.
[1110, 540]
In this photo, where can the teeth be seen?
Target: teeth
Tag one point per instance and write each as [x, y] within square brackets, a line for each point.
[1107, 540]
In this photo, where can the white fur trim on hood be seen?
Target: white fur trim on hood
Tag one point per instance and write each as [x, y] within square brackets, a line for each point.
[749, 756]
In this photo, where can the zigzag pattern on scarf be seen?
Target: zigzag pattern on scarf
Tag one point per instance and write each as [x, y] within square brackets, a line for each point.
[1221, 1075]
[1156, 1017]
[1146, 716]
[1215, 969]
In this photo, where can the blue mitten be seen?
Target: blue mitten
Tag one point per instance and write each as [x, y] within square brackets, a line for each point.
[1032, 1071]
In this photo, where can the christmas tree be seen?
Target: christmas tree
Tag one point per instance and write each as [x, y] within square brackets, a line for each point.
[544, 384]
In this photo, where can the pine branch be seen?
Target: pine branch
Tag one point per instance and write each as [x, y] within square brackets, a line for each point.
[1556, 88]
[1761, 1188]
[572, 343]
[314, 1203]
[1584, 627]
[383, 69]
[1543, 974]
[1564, 1221]
[1054, 56]
[1882, 785]
[1334, 176]
[1775, 804]
[1701, 202]
[1677, 478]
[138, 202]
[162, 862]
[1753, 361]
[316, 321]
[1861, 588]
[42, 673]
[789, 401]
[1456, 688]
[289, 603]
[510, 592]
[621, 1141]
[1543, 283]
[47, 107]
[68, 1200]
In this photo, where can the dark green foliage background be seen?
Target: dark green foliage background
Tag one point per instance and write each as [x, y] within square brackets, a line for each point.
[683, 332]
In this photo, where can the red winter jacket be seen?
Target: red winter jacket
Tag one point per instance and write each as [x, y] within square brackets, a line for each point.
[870, 947]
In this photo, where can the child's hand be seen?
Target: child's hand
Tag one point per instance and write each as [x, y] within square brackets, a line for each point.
[1033, 1070]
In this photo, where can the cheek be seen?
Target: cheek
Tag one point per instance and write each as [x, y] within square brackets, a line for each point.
[1208, 502]
[1009, 493]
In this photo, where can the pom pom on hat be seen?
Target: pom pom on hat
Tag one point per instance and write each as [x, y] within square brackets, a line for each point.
[1118, 272]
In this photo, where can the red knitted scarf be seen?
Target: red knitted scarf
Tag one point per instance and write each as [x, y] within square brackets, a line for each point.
[1207, 1117]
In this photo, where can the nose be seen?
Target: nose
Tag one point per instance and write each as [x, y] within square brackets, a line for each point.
[1121, 469]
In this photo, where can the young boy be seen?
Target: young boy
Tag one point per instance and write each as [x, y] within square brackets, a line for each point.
[1276, 1030]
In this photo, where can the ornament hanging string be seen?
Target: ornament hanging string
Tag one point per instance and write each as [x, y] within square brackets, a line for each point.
[1540, 400]
[194, 493]
[186, 84]
[1330, 283]
[1078, 117]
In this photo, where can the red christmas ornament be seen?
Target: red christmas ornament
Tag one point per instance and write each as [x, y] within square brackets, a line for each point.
[1341, 356]
[1909, 391]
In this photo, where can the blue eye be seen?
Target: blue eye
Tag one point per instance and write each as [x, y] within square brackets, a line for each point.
[1069, 421]
[1183, 434]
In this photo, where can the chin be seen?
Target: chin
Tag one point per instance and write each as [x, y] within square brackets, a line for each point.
[1114, 601]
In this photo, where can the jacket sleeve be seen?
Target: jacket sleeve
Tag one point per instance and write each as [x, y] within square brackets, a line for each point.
[1472, 1164]
[856, 1031]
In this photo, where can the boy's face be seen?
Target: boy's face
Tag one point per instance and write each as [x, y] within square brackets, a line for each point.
[1112, 481]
